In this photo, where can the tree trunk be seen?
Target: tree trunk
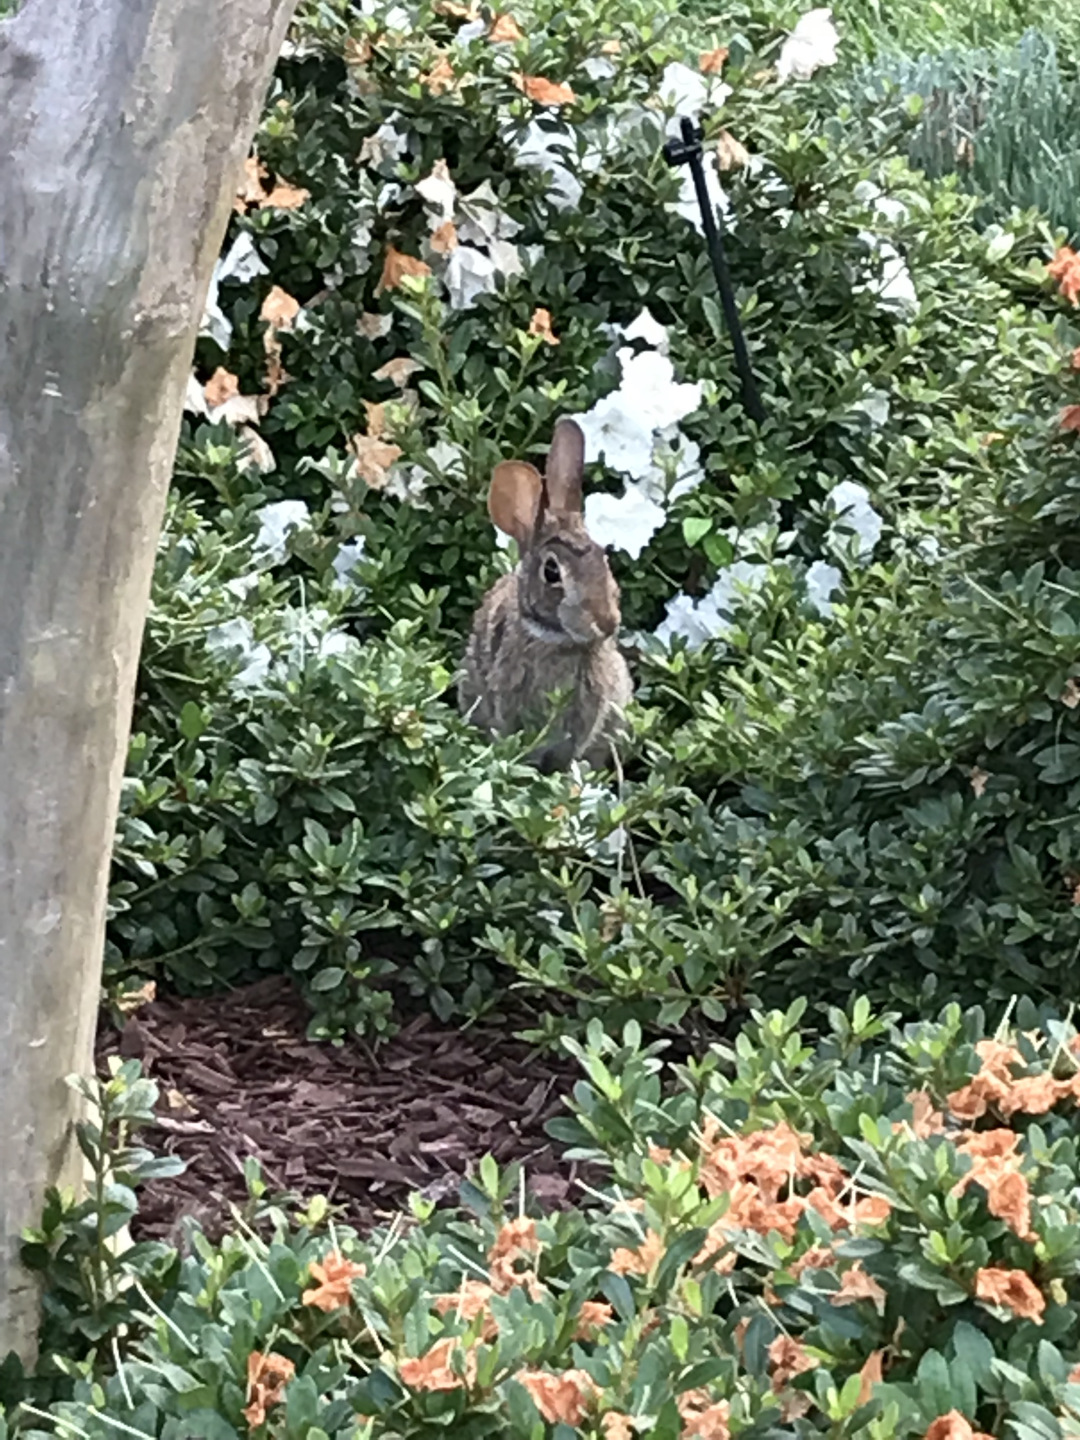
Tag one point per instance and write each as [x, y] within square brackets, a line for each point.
[125, 125]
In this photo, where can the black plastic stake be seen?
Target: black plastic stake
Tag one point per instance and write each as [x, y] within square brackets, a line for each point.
[688, 151]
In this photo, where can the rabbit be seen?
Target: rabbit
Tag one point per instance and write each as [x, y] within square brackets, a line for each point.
[551, 624]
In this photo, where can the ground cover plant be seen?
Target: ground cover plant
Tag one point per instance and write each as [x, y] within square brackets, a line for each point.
[871, 1235]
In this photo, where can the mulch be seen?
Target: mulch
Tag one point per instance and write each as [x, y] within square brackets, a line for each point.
[364, 1127]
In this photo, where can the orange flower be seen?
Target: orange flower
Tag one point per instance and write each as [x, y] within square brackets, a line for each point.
[639, 1261]
[1075, 359]
[505, 31]
[540, 324]
[223, 385]
[396, 267]
[516, 1240]
[1069, 418]
[703, 1418]
[818, 1257]
[954, 1426]
[1013, 1290]
[616, 1426]
[471, 1300]
[787, 1358]
[1034, 1095]
[335, 1276]
[267, 1376]
[711, 62]
[434, 1371]
[856, 1285]
[559, 1398]
[995, 1166]
[925, 1119]
[544, 92]
[594, 1315]
[1065, 269]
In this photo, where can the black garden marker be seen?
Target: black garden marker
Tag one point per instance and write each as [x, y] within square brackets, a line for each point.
[688, 151]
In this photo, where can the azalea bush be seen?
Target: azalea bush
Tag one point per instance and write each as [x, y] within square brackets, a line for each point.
[458, 226]
[873, 1235]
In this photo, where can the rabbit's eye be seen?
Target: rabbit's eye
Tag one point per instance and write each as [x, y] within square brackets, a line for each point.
[552, 573]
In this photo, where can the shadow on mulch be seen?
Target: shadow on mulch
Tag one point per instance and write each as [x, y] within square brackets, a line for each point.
[239, 1078]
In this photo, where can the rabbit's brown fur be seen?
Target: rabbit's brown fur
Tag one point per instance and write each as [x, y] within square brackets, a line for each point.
[551, 625]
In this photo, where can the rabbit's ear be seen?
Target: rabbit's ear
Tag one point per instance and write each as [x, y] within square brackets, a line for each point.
[565, 468]
[514, 498]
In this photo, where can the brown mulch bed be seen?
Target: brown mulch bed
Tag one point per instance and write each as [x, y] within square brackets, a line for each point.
[363, 1127]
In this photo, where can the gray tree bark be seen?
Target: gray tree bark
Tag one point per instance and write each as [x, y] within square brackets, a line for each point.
[125, 124]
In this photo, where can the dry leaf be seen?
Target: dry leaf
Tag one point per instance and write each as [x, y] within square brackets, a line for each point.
[440, 78]
[251, 190]
[1070, 418]
[284, 197]
[1065, 269]
[178, 1101]
[221, 386]
[611, 47]
[256, 452]
[334, 1276]
[540, 324]
[1070, 696]
[731, 154]
[787, 1358]
[505, 31]
[711, 62]
[434, 1371]
[374, 325]
[279, 309]
[856, 1285]
[978, 781]
[396, 267]
[398, 370]
[444, 239]
[561, 1399]
[1011, 1289]
[870, 1375]
[267, 1377]
[544, 92]
[373, 459]
[131, 1000]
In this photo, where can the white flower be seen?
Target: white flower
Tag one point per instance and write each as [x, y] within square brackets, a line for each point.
[810, 46]
[506, 258]
[469, 274]
[687, 204]
[539, 148]
[854, 513]
[676, 468]
[313, 637]
[599, 67]
[822, 580]
[215, 323]
[242, 261]
[396, 17]
[275, 522]
[235, 640]
[348, 557]
[710, 617]
[439, 192]
[388, 143]
[893, 212]
[194, 399]
[470, 31]
[626, 522]
[482, 217]
[894, 287]
[619, 428]
[875, 406]
[685, 92]
[651, 331]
